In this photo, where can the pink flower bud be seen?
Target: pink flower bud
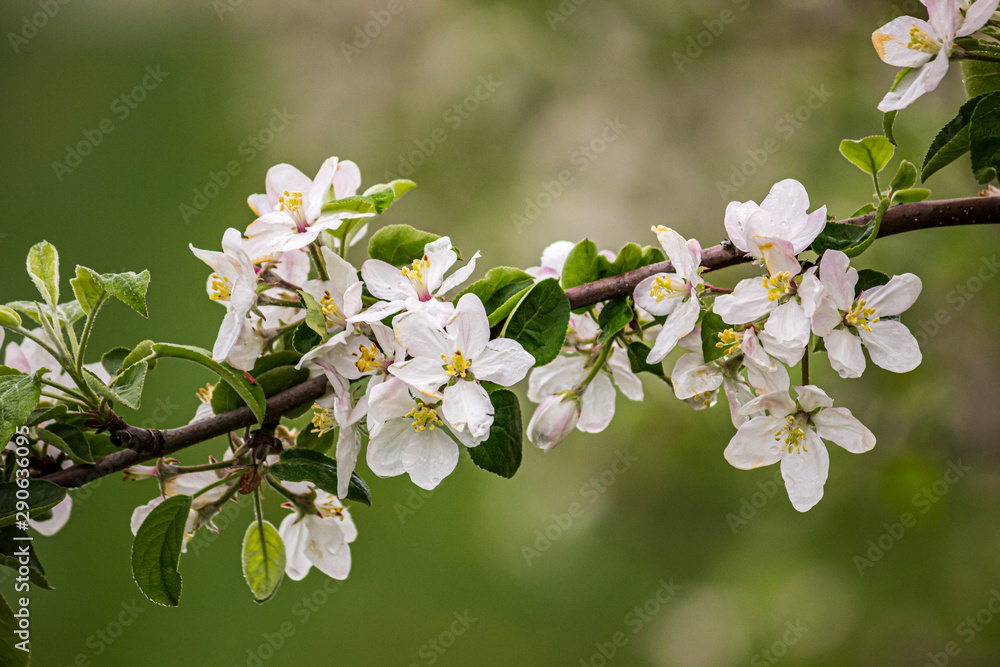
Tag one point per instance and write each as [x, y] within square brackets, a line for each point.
[554, 419]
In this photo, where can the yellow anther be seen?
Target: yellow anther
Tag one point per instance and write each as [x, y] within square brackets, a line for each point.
[290, 201]
[329, 509]
[730, 341]
[205, 393]
[222, 288]
[330, 310]
[424, 418]
[663, 288]
[369, 359]
[459, 365]
[415, 272]
[921, 41]
[323, 419]
[793, 434]
[860, 317]
[778, 285]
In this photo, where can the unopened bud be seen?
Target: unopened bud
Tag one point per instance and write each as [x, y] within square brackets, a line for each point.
[554, 419]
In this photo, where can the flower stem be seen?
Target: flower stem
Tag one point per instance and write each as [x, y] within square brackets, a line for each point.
[601, 358]
[258, 512]
[805, 366]
[317, 260]
[87, 328]
[218, 465]
[222, 481]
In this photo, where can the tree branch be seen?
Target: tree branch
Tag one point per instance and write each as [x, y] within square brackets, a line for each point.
[146, 444]
[898, 219]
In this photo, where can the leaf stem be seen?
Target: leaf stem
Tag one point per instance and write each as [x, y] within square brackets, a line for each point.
[87, 329]
[318, 262]
[222, 481]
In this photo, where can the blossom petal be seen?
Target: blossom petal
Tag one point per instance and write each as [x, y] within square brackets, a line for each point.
[423, 374]
[385, 449]
[429, 458]
[843, 350]
[285, 177]
[597, 407]
[894, 297]
[503, 361]
[679, 324]
[459, 276]
[385, 281]
[52, 525]
[423, 338]
[621, 372]
[564, 372]
[805, 473]
[692, 376]
[916, 83]
[467, 405]
[654, 306]
[469, 325]
[754, 445]
[295, 536]
[748, 302]
[811, 398]
[839, 426]
[976, 16]
[891, 40]
[892, 346]
[786, 333]
[737, 215]
[838, 278]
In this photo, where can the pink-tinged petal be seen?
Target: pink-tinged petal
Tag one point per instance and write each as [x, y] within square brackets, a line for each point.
[737, 215]
[423, 374]
[942, 15]
[754, 353]
[805, 473]
[468, 407]
[838, 278]
[677, 250]
[429, 458]
[786, 333]
[502, 361]
[754, 445]
[748, 302]
[440, 258]
[812, 398]
[778, 403]
[389, 401]
[282, 178]
[295, 536]
[597, 407]
[459, 276]
[839, 426]
[787, 201]
[843, 349]
[319, 190]
[768, 382]
[554, 256]
[52, 525]
[679, 324]
[259, 204]
[346, 180]
[813, 226]
[348, 448]
[916, 83]
[421, 337]
[892, 346]
[826, 317]
[469, 326]
[378, 312]
[342, 274]
[891, 40]
[644, 298]
[232, 245]
[779, 257]
[565, 372]
[621, 372]
[894, 297]
[384, 281]
[385, 449]
[14, 357]
[976, 16]
[692, 376]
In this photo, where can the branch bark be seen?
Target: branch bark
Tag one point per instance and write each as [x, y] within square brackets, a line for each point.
[147, 444]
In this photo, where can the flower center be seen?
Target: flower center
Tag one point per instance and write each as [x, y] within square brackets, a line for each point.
[205, 394]
[415, 274]
[369, 359]
[860, 317]
[291, 203]
[921, 41]
[424, 418]
[664, 288]
[330, 509]
[729, 341]
[793, 434]
[323, 419]
[459, 365]
[778, 285]
[334, 318]
[222, 288]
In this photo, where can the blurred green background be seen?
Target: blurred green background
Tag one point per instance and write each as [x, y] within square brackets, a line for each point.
[303, 81]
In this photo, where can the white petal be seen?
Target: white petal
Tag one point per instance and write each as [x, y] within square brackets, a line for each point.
[60, 515]
[467, 405]
[385, 281]
[385, 449]
[838, 278]
[892, 346]
[378, 312]
[469, 325]
[778, 403]
[621, 372]
[684, 259]
[754, 445]
[976, 16]
[838, 425]
[348, 448]
[293, 533]
[737, 215]
[598, 405]
[440, 258]
[787, 201]
[891, 42]
[786, 333]
[503, 361]
[748, 302]
[325, 546]
[459, 276]
[282, 177]
[692, 376]
[894, 297]
[805, 473]
[811, 398]
[430, 458]
[563, 373]
[843, 349]
[346, 180]
[679, 324]
[645, 300]
[423, 374]
[916, 83]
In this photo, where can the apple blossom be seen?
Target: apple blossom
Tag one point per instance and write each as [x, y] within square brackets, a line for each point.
[554, 419]
[782, 216]
[317, 534]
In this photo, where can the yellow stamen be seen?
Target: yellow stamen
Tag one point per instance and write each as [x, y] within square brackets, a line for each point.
[329, 509]
[663, 288]
[415, 272]
[330, 310]
[290, 201]
[921, 41]
[793, 434]
[778, 285]
[369, 359]
[205, 394]
[459, 365]
[424, 418]
[222, 288]
[323, 419]
[730, 341]
[859, 316]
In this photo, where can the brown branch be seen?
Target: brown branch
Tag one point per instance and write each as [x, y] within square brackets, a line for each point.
[898, 219]
[145, 444]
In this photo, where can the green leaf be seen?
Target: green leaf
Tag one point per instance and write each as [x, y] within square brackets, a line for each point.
[399, 244]
[263, 560]
[86, 288]
[129, 288]
[274, 373]
[304, 465]
[952, 142]
[652, 255]
[540, 321]
[870, 154]
[304, 338]
[637, 355]
[864, 210]
[128, 386]
[906, 176]
[12, 555]
[9, 317]
[581, 266]
[628, 259]
[40, 415]
[980, 77]
[43, 267]
[315, 319]
[249, 392]
[309, 438]
[910, 195]
[614, 316]
[42, 496]
[711, 326]
[68, 439]
[500, 454]
[500, 290]
[114, 360]
[156, 551]
[852, 240]
[984, 139]
[10, 655]
[141, 352]
[19, 395]
[869, 278]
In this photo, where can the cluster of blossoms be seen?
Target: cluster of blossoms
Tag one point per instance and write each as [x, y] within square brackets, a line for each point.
[756, 331]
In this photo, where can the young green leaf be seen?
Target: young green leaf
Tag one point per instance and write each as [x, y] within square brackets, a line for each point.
[263, 560]
[128, 386]
[852, 240]
[711, 326]
[9, 317]
[156, 551]
[628, 259]
[129, 288]
[87, 290]
[500, 454]
[980, 77]
[540, 321]
[304, 465]
[19, 395]
[910, 195]
[114, 360]
[315, 319]
[43, 267]
[249, 392]
[906, 176]
[869, 278]
[637, 355]
[984, 139]
[581, 266]
[952, 142]
[614, 317]
[68, 439]
[399, 244]
[500, 290]
[870, 154]
[42, 496]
